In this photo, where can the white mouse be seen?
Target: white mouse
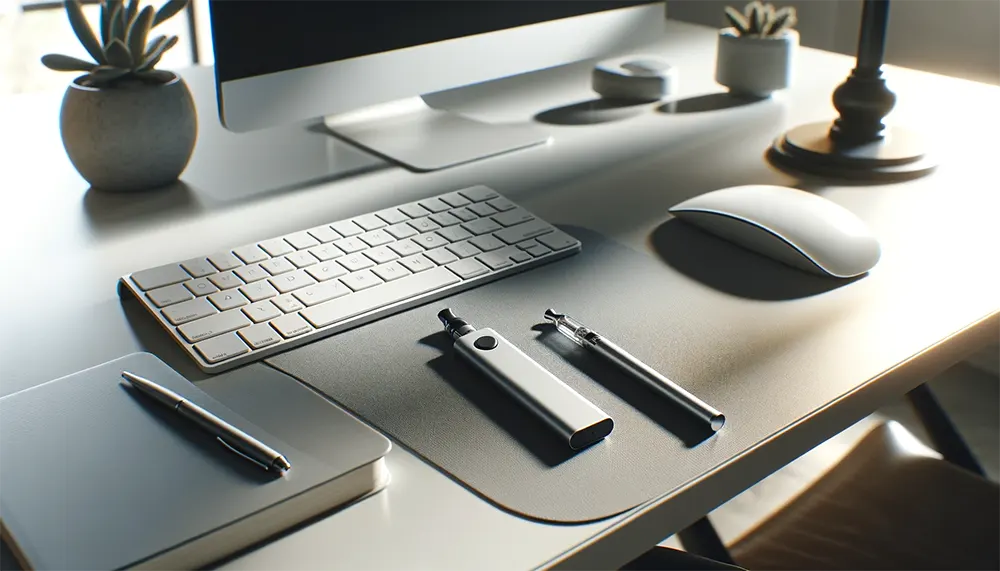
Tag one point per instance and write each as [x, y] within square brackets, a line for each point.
[796, 227]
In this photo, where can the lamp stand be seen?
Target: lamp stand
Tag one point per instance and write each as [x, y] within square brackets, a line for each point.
[858, 145]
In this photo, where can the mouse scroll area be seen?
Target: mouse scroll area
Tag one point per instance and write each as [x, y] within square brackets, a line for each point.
[752, 237]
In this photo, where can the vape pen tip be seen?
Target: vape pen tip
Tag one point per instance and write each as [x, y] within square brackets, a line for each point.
[553, 316]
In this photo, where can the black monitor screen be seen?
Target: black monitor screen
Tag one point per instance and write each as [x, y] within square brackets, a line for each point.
[256, 37]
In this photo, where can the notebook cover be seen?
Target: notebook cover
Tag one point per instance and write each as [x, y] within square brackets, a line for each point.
[97, 476]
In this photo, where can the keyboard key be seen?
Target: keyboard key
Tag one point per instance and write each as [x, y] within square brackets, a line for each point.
[277, 266]
[262, 311]
[257, 336]
[414, 210]
[455, 199]
[159, 277]
[423, 224]
[523, 232]
[301, 259]
[325, 252]
[227, 300]
[400, 231]
[222, 348]
[478, 193]
[455, 233]
[464, 249]
[358, 281]
[346, 228]
[258, 290]
[301, 240]
[376, 238]
[495, 260]
[501, 204]
[537, 250]
[392, 216]
[519, 256]
[482, 209]
[325, 271]
[250, 254]
[513, 217]
[527, 244]
[381, 255]
[189, 311]
[251, 273]
[292, 281]
[225, 280]
[557, 240]
[169, 295]
[213, 325]
[417, 263]
[201, 286]
[291, 325]
[355, 262]
[370, 222]
[481, 226]
[405, 247]
[288, 303]
[441, 256]
[391, 292]
[434, 204]
[486, 243]
[467, 269]
[276, 247]
[464, 214]
[319, 293]
[198, 267]
[430, 240]
[391, 271]
[225, 261]
[350, 245]
[444, 219]
[324, 234]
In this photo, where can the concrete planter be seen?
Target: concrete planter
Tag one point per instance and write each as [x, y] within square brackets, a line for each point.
[755, 67]
[131, 137]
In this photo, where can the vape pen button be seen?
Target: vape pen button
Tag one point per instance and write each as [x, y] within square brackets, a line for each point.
[485, 343]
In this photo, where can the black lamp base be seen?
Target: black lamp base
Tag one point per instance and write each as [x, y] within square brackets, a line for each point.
[899, 155]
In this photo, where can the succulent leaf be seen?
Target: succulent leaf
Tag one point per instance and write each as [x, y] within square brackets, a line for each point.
[131, 12]
[82, 30]
[115, 30]
[169, 10]
[105, 74]
[153, 55]
[59, 62]
[118, 55]
[757, 19]
[737, 20]
[138, 32]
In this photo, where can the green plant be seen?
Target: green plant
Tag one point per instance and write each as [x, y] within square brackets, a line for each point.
[761, 20]
[122, 53]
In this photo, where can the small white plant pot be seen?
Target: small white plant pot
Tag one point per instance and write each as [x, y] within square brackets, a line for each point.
[755, 67]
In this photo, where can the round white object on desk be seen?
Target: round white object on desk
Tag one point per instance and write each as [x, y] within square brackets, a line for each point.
[634, 78]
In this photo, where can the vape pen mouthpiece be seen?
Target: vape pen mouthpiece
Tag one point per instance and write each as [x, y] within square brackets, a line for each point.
[553, 316]
[567, 325]
[453, 324]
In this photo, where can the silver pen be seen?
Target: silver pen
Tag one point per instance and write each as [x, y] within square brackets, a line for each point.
[596, 342]
[231, 437]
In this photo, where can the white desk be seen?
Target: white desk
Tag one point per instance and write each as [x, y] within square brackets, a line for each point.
[934, 298]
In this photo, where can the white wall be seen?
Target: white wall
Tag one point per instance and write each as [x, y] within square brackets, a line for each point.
[952, 37]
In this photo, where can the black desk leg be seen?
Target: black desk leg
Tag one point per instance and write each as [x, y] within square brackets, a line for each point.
[944, 436]
[701, 539]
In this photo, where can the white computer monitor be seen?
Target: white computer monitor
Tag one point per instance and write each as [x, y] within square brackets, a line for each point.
[363, 65]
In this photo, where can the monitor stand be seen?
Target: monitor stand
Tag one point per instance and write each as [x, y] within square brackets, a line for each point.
[422, 138]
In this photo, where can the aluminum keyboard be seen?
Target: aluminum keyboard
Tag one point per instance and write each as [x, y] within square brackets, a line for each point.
[230, 308]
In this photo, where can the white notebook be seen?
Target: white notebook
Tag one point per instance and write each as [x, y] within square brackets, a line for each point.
[97, 476]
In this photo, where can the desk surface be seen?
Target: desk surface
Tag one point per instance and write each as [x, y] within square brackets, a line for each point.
[934, 297]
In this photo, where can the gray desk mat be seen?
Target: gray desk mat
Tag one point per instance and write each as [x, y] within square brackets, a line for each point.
[400, 374]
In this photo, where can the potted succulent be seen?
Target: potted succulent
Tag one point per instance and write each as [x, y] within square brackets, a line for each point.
[126, 125]
[755, 54]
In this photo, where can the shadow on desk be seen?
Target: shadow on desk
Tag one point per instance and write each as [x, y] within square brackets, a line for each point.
[732, 269]
[708, 102]
[592, 112]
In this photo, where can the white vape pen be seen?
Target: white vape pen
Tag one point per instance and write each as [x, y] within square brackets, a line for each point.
[573, 417]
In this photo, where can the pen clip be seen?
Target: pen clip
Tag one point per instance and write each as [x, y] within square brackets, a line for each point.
[229, 446]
